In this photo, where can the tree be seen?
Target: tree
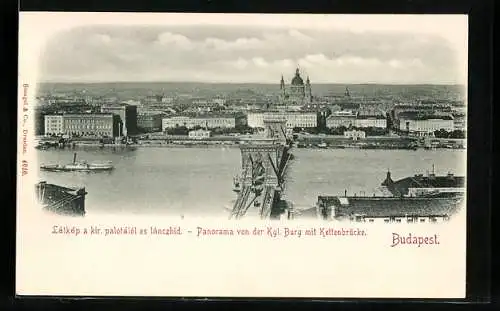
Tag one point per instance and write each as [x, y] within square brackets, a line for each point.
[243, 129]
[180, 130]
[375, 131]
[337, 130]
[441, 133]
[323, 130]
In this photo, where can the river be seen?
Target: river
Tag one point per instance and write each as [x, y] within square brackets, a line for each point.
[198, 181]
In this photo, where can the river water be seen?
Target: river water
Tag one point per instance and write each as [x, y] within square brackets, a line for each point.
[198, 181]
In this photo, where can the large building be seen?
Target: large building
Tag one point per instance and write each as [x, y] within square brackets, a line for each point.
[424, 124]
[345, 118]
[358, 119]
[297, 92]
[420, 185]
[127, 114]
[205, 121]
[301, 119]
[421, 108]
[82, 125]
[378, 121]
[54, 125]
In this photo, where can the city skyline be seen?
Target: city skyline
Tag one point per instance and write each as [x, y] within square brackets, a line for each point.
[248, 54]
[276, 85]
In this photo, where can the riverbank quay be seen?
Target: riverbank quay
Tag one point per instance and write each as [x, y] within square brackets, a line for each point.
[301, 141]
[379, 142]
[375, 142]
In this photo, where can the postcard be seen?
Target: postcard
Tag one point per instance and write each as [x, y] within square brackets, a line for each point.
[242, 155]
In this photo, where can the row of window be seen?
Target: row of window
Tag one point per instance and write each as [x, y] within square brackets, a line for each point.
[90, 126]
[56, 132]
[86, 120]
[287, 116]
[302, 125]
[82, 133]
[192, 124]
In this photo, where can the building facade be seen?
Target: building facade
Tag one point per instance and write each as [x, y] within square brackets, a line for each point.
[353, 118]
[420, 108]
[423, 125]
[93, 125]
[82, 125]
[370, 121]
[128, 117]
[387, 209]
[208, 121]
[345, 118]
[301, 119]
[54, 125]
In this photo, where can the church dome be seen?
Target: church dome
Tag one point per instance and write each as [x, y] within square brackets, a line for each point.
[297, 80]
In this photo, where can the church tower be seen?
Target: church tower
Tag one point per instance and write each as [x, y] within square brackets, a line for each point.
[308, 96]
[282, 89]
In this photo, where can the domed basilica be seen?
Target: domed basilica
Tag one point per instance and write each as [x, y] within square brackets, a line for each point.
[297, 93]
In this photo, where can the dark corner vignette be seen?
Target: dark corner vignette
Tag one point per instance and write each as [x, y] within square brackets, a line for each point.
[247, 194]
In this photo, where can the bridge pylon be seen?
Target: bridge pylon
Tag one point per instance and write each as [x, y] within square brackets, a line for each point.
[264, 162]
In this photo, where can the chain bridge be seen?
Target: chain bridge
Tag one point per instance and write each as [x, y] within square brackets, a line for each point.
[264, 163]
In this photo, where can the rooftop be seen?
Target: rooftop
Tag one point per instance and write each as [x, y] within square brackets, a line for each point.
[95, 114]
[371, 112]
[401, 186]
[149, 115]
[367, 117]
[116, 105]
[208, 116]
[390, 206]
[335, 116]
[282, 111]
[415, 115]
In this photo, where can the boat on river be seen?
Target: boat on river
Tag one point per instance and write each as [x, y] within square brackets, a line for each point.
[81, 166]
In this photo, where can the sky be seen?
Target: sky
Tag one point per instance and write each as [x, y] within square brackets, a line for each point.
[250, 53]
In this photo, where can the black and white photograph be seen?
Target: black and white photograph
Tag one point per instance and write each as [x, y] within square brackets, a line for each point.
[177, 148]
[251, 120]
